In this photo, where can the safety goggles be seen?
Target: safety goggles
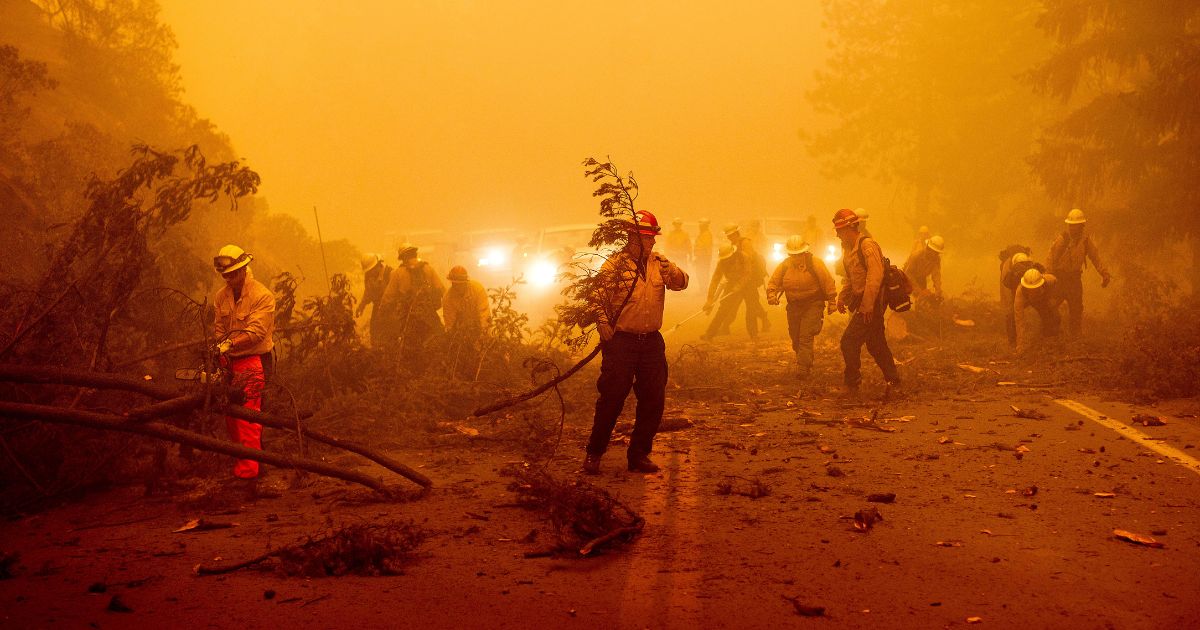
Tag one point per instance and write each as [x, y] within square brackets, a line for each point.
[225, 262]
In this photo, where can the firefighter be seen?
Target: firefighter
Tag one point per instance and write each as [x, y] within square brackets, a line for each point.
[922, 236]
[754, 270]
[862, 296]
[242, 329]
[412, 299]
[702, 252]
[632, 351]
[679, 244]
[376, 275]
[1012, 272]
[725, 292]
[808, 286]
[1042, 292]
[1068, 257]
[465, 307]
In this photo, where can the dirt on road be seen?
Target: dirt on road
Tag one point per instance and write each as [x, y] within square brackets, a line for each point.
[984, 495]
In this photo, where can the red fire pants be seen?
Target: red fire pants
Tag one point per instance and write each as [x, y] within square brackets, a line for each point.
[247, 376]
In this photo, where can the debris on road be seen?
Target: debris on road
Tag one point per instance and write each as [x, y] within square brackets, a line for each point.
[949, 543]
[1137, 539]
[881, 497]
[1032, 414]
[202, 525]
[865, 518]
[805, 610]
[1147, 420]
[1104, 495]
[753, 488]
[974, 369]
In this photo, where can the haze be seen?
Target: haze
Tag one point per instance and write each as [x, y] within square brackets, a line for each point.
[397, 116]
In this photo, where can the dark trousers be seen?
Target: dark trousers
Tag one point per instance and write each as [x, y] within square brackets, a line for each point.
[858, 332]
[804, 323]
[1070, 286]
[727, 312]
[630, 361]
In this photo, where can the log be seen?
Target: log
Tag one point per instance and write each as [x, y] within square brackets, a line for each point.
[537, 391]
[109, 422]
[177, 402]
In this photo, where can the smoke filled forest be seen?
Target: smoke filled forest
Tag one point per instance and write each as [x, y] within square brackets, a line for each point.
[520, 313]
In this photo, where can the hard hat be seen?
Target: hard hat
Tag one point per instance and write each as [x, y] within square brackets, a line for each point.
[862, 213]
[1075, 216]
[704, 222]
[231, 258]
[646, 223]
[731, 229]
[844, 218]
[458, 273]
[796, 245]
[924, 229]
[1032, 279]
[369, 261]
[677, 221]
[725, 251]
[936, 243]
[407, 250]
[1019, 257]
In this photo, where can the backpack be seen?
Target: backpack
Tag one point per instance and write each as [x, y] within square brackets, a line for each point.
[896, 288]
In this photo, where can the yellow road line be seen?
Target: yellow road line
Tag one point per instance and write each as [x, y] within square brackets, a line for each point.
[1170, 452]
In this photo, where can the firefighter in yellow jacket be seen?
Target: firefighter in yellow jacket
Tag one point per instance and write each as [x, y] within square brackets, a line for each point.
[412, 299]
[465, 307]
[1068, 256]
[808, 286]
[244, 324]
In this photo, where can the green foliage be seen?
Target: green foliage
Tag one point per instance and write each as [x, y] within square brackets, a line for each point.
[925, 95]
[588, 287]
[1130, 143]
[1159, 351]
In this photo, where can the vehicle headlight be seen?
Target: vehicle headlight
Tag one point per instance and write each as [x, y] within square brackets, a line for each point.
[831, 254]
[778, 253]
[493, 257]
[541, 273]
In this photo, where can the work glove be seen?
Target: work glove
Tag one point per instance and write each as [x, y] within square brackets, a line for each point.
[841, 307]
[1104, 280]
[224, 346]
[358, 311]
[830, 308]
[606, 332]
[867, 316]
[773, 301]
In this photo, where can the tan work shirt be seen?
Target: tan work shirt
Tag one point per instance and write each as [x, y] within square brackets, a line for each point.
[794, 279]
[925, 264]
[703, 249]
[859, 280]
[679, 244]
[1068, 256]
[1042, 299]
[466, 304]
[643, 312]
[253, 314]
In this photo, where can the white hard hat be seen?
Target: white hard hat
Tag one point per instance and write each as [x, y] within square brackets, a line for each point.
[677, 221]
[796, 245]
[369, 261]
[407, 250]
[936, 243]
[731, 228]
[1075, 216]
[1019, 257]
[231, 258]
[1032, 279]
[862, 213]
[725, 251]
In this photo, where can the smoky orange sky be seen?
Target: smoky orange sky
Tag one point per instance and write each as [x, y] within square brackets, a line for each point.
[396, 116]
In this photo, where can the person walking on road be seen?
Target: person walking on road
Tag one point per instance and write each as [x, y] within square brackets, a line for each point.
[862, 296]
[632, 352]
[412, 298]
[808, 286]
[702, 252]
[243, 327]
[1068, 256]
[725, 293]
[679, 244]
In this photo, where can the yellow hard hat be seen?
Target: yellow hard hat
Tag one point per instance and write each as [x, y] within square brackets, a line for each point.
[1032, 279]
[231, 258]
[936, 243]
[369, 261]
[1019, 257]
[1075, 216]
[796, 245]
[725, 251]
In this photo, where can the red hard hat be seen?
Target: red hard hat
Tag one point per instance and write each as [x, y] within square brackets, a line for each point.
[646, 222]
[844, 218]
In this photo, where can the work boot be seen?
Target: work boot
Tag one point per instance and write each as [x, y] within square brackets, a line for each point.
[591, 464]
[642, 465]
